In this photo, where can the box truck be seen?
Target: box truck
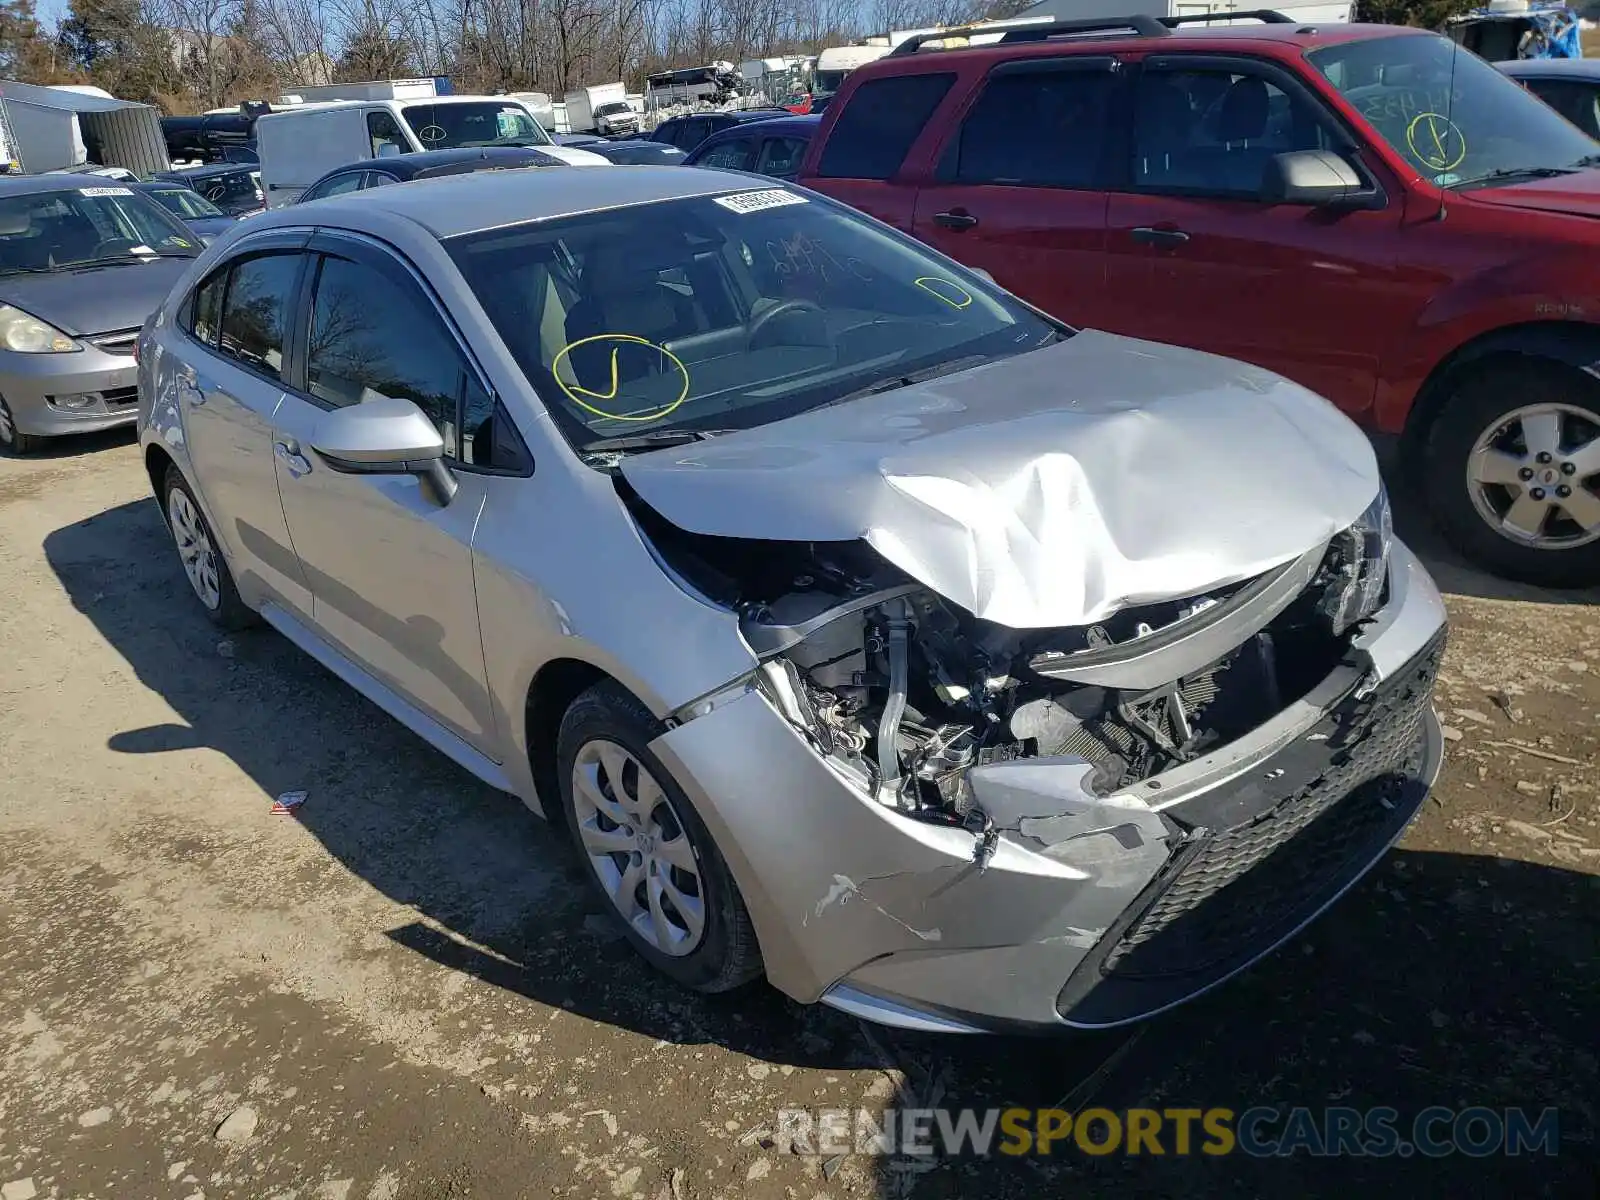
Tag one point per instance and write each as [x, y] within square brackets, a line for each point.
[601, 108]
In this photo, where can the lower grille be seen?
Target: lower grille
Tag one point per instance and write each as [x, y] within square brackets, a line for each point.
[1232, 894]
[120, 397]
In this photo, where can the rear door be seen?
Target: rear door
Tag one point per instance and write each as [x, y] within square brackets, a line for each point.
[864, 156]
[1198, 259]
[1019, 187]
[229, 384]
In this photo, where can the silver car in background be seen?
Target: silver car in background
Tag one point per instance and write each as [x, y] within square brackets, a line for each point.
[866, 628]
[83, 261]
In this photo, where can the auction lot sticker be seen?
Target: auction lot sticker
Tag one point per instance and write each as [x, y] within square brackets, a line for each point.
[749, 202]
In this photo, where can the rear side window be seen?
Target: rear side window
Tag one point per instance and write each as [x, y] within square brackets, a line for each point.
[1037, 128]
[737, 154]
[882, 118]
[205, 310]
[781, 157]
[255, 311]
[1574, 101]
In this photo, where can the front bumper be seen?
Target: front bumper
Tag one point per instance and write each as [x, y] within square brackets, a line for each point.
[30, 382]
[1084, 919]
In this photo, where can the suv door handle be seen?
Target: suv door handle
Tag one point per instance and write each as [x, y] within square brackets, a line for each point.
[293, 461]
[955, 219]
[1152, 236]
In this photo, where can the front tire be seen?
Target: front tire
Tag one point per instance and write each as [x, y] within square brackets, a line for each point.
[203, 563]
[1512, 468]
[645, 849]
[12, 440]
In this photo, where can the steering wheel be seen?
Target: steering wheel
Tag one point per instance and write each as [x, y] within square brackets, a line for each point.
[113, 246]
[785, 308]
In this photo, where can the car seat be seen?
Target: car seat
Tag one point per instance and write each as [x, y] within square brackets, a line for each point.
[622, 293]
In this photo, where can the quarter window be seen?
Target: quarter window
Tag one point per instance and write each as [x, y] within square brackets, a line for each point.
[874, 132]
[205, 311]
[1043, 129]
[254, 308]
[1212, 132]
[372, 337]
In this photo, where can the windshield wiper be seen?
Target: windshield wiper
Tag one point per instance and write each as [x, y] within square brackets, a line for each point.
[1503, 174]
[914, 377]
[27, 271]
[1588, 160]
[650, 441]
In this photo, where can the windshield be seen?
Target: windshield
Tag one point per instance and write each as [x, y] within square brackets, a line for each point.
[1454, 117]
[828, 82]
[231, 191]
[490, 123]
[727, 312]
[49, 231]
[605, 110]
[185, 203]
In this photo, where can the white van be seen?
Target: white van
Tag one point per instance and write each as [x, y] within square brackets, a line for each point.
[300, 145]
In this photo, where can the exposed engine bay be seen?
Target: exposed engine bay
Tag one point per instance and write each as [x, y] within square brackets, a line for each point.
[905, 692]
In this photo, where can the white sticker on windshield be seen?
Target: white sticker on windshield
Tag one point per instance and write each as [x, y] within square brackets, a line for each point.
[749, 202]
[106, 191]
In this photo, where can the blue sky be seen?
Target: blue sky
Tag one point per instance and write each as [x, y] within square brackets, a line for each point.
[50, 11]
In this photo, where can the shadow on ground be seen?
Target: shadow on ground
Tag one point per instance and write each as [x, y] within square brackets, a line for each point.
[1442, 980]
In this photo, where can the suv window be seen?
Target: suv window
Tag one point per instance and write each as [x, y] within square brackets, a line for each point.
[203, 314]
[349, 181]
[781, 156]
[736, 154]
[881, 120]
[254, 309]
[1574, 101]
[384, 130]
[372, 337]
[1044, 129]
[1212, 131]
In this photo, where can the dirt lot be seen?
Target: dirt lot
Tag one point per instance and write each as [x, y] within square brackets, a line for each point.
[409, 992]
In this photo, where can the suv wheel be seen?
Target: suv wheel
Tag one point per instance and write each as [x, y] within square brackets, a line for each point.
[202, 562]
[645, 848]
[1513, 473]
[13, 440]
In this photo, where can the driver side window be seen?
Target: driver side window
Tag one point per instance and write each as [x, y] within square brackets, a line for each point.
[348, 182]
[383, 130]
[1211, 132]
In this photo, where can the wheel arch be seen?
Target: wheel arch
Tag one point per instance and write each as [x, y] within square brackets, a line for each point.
[1574, 345]
[551, 692]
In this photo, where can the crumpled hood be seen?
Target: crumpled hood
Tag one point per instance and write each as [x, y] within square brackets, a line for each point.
[1045, 490]
[1578, 194]
[96, 300]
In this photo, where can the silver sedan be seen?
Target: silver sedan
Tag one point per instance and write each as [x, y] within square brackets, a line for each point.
[868, 629]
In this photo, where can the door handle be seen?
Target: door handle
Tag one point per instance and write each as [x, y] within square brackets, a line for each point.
[955, 220]
[293, 461]
[1167, 238]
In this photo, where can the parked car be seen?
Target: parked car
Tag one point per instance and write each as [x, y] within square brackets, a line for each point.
[842, 605]
[1279, 193]
[235, 188]
[301, 145]
[766, 147]
[689, 131]
[615, 118]
[82, 263]
[638, 152]
[1571, 86]
[585, 141]
[203, 218]
[376, 172]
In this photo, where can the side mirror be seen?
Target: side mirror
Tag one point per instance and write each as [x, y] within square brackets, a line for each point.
[1316, 177]
[386, 436]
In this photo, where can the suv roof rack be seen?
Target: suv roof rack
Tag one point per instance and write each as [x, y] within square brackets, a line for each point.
[1036, 30]
[1267, 16]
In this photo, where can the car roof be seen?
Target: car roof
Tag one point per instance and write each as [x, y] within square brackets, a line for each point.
[410, 165]
[455, 204]
[1306, 35]
[1552, 68]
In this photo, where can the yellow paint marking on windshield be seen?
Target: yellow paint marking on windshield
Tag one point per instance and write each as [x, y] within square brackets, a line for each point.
[576, 392]
[1436, 141]
[956, 296]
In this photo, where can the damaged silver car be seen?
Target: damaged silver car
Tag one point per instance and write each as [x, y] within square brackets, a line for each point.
[867, 629]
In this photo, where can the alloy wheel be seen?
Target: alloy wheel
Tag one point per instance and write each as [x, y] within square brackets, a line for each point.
[198, 555]
[638, 848]
[1534, 476]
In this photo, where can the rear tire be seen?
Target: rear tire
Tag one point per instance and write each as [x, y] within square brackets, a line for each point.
[646, 851]
[203, 564]
[12, 440]
[1491, 492]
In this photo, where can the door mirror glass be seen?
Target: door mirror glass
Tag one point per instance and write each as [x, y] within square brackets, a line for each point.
[1316, 177]
[385, 436]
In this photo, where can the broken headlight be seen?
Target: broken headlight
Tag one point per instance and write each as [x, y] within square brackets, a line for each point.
[1356, 569]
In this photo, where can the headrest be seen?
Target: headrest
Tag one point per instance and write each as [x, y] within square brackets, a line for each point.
[1244, 111]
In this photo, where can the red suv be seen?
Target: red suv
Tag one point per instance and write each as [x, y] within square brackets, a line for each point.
[1372, 211]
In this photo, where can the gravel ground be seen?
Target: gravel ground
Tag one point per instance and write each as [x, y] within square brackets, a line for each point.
[404, 991]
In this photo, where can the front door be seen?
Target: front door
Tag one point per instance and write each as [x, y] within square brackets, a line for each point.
[1020, 188]
[228, 390]
[390, 571]
[1196, 258]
